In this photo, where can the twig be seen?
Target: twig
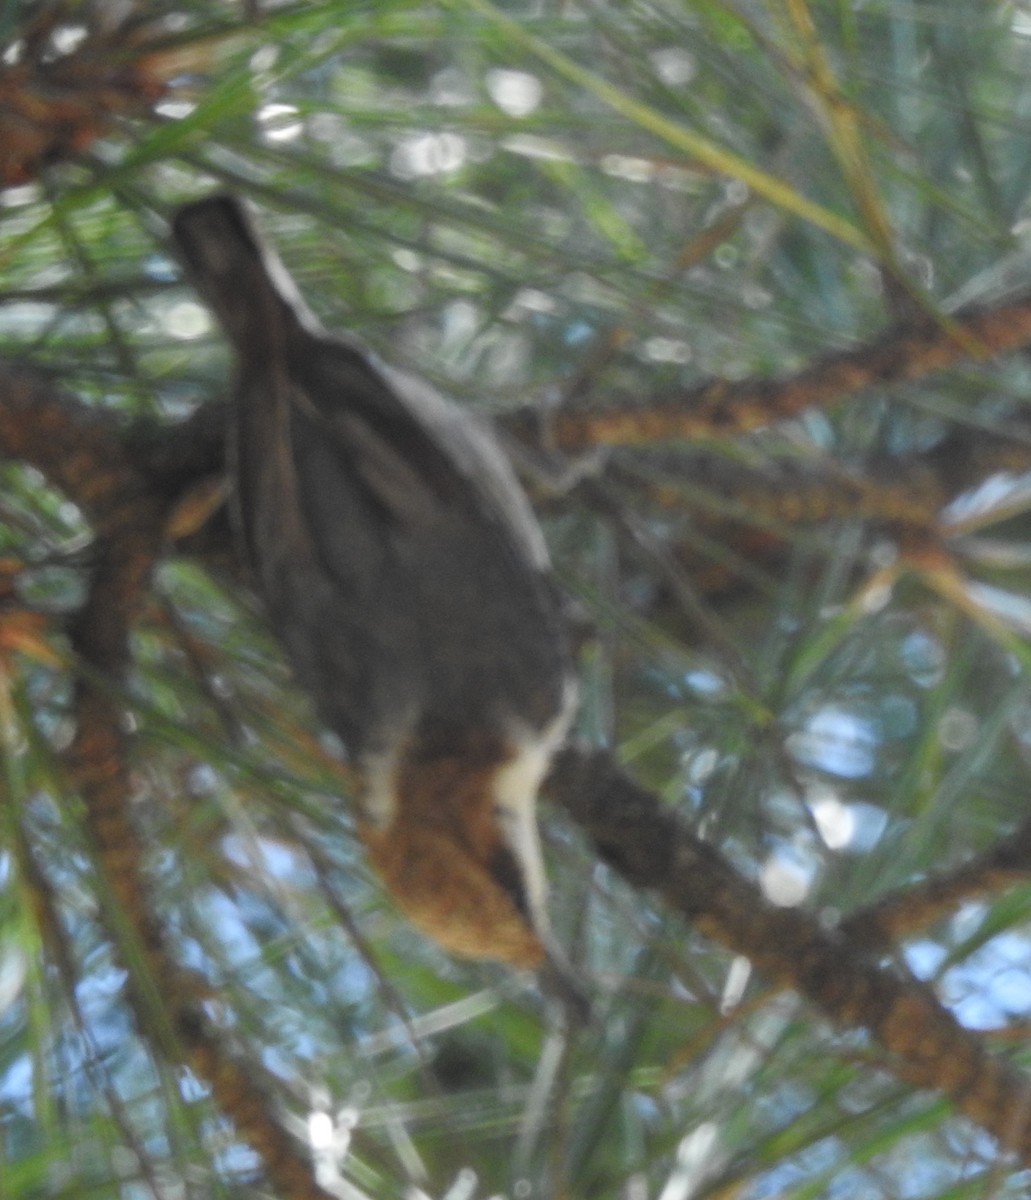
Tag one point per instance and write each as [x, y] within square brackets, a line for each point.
[718, 407]
[921, 904]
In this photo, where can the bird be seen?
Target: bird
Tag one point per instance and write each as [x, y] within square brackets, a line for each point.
[408, 580]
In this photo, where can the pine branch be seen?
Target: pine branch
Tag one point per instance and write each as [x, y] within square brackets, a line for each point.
[921, 904]
[646, 843]
[718, 408]
[80, 450]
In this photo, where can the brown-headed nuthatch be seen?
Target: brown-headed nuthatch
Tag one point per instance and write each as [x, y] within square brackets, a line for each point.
[407, 578]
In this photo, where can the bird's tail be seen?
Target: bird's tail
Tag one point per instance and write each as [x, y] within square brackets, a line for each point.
[240, 276]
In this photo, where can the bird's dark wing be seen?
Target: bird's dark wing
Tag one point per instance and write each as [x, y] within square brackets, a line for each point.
[420, 458]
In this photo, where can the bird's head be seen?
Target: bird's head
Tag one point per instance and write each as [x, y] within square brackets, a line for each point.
[454, 839]
[441, 850]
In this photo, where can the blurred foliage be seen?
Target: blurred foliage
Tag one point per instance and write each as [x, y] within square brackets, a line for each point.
[518, 202]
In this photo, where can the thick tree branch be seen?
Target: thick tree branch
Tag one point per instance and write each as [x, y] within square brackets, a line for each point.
[646, 843]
